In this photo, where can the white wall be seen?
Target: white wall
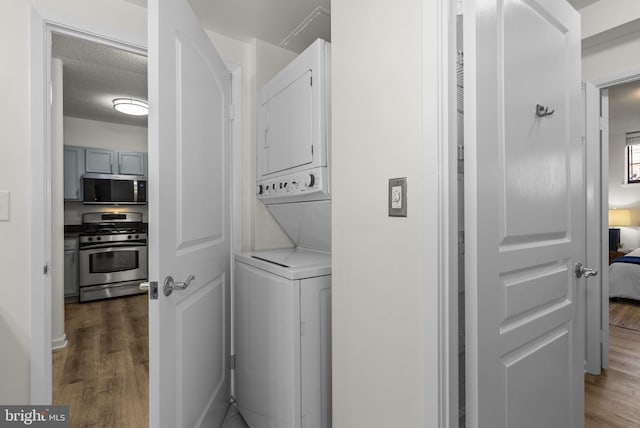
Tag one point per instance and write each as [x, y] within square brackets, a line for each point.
[612, 39]
[377, 261]
[605, 15]
[93, 133]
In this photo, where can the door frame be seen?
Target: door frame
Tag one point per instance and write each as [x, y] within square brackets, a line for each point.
[600, 156]
[440, 224]
[43, 24]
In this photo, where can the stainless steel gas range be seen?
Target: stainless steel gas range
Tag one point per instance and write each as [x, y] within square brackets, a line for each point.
[113, 255]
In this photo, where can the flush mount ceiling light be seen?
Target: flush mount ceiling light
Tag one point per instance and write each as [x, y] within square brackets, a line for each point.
[131, 106]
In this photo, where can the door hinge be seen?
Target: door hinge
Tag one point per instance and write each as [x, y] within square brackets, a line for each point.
[232, 112]
[232, 362]
[45, 270]
[460, 152]
[601, 123]
[311, 80]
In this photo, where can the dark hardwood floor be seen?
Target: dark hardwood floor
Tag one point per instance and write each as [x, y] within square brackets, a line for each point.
[103, 373]
[613, 399]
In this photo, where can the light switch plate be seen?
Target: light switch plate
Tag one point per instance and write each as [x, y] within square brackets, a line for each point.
[398, 197]
[4, 205]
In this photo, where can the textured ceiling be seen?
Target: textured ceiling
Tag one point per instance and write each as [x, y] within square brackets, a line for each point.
[95, 74]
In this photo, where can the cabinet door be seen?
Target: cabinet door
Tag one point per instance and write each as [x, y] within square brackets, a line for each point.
[99, 161]
[73, 170]
[132, 163]
[70, 273]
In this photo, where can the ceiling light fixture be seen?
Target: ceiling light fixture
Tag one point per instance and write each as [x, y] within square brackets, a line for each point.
[131, 106]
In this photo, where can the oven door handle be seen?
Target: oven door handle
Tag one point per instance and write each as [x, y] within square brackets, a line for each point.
[110, 246]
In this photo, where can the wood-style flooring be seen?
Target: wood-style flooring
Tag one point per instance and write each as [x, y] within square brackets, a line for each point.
[103, 373]
[612, 399]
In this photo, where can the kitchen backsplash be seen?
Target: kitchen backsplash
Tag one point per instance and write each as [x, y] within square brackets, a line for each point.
[73, 211]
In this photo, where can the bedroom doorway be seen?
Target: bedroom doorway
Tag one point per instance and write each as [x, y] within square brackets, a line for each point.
[615, 329]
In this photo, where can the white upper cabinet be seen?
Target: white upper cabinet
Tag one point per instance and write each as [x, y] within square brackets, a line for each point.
[293, 117]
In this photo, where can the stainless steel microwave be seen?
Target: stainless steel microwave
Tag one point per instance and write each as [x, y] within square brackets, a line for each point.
[114, 189]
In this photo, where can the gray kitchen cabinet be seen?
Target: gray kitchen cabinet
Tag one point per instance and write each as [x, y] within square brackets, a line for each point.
[71, 272]
[99, 161]
[73, 170]
[132, 163]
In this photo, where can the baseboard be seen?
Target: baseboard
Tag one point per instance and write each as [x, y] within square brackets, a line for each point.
[60, 342]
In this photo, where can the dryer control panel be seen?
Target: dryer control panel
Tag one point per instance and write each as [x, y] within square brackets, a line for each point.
[308, 185]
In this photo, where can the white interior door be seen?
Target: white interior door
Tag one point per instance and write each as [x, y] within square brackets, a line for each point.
[597, 236]
[189, 217]
[525, 214]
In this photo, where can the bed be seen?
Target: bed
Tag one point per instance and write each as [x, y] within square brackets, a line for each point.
[624, 276]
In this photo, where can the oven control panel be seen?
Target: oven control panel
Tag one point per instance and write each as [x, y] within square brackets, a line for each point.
[309, 185]
[116, 238]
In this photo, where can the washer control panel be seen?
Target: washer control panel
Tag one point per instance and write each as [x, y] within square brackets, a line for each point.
[309, 185]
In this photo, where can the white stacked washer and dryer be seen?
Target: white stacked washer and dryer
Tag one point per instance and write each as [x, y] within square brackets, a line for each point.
[283, 296]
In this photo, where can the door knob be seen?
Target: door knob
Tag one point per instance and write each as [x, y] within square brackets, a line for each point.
[170, 285]
[583, 270]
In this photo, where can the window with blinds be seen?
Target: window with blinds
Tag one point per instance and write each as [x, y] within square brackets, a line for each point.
[633, 156]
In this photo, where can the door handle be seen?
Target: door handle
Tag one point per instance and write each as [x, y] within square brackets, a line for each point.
[170, 285]
[581, 270]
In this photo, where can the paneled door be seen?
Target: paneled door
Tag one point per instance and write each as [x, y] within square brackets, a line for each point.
[189, 217]
[525, 214]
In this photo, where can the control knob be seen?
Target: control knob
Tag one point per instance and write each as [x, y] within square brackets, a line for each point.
[260, 189]
[310, 180]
